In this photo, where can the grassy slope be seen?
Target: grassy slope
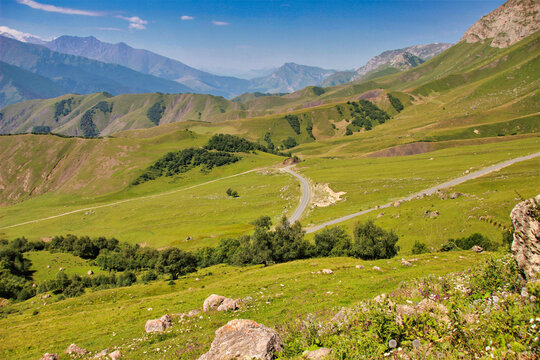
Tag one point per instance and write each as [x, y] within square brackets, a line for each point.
[281, 294]
[69, 263]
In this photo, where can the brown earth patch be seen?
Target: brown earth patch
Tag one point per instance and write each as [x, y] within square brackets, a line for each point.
[404, 150]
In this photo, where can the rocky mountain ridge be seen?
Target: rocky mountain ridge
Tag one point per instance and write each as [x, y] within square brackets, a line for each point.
[506, 25]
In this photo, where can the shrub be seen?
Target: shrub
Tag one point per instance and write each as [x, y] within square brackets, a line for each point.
[419, 248]
[294, 122]
[332, 242]
[289, 142]
[373, 242]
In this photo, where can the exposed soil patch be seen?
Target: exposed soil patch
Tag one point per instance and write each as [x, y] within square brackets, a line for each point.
[323, 196]
[405, 149]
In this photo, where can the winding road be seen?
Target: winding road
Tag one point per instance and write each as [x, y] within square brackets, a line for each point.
[306, 194]
[429, 191]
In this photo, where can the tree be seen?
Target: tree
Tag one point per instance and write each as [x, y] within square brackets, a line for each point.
[332, 242]
[176, 262]
[289, 143]
[419, 248]
[373, 242]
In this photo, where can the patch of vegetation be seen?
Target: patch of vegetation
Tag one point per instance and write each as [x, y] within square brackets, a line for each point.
[232, 143]
[317, 90]
[395, 102]
[289, 143]
[232, 193]
[62, 108]
[419, 248]
[294, 122]
[466, 243]
[309, 129]
[41, 130]
[174, 163]
[88, 127]
[155, 112]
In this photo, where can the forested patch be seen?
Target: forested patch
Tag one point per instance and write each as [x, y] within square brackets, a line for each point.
[155, 112]
[174, 163]
[62, 108]
[396, 103]
[232, 143]
[88, 127]
[41, 130]
[365, 116]
[294, 122]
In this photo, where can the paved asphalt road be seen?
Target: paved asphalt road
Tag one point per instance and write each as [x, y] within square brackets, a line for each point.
[306, 194]
[430, 190]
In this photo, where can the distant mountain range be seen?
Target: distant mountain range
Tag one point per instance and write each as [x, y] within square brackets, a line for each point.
[388, 62]
[87, 65]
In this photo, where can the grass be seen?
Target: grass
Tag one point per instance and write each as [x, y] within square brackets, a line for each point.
[281, 294]
[70, 264]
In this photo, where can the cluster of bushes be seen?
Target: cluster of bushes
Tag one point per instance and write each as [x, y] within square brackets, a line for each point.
[294, 122]
[40, 129]
[309, 129]
[155, 112]
[15, 274]
[174, 163]
[232, 143]
[466, 243]
[232, 193]
[289, 143]
[366, 115]
[395, 102]
[286, 242]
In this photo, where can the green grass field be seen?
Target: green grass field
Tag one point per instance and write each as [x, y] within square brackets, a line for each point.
[281, 294]
[70, 264]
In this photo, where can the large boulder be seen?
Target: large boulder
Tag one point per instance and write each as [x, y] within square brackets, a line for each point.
[244, 340]
[526, 245]
[228, 304]
[158, 325]
[74, 349]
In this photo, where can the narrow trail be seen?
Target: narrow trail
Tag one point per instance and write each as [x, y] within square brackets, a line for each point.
[429, 191]
[127, 200]
[306, 194]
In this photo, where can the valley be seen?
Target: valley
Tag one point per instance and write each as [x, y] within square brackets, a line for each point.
[344, 209]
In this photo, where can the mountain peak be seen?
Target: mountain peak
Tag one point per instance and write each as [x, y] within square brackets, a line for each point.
[506, 25]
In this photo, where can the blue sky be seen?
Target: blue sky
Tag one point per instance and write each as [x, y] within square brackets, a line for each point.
[235, 36]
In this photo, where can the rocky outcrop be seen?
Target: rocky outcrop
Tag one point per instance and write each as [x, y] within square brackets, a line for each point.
[244, 340]
[526, 245]
[506, 25]
[158, 325]
[115, 355]
[477, 249]
[220, 303]
[74, 349]
[48, 356]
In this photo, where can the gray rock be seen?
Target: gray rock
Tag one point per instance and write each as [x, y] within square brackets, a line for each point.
[48, 356]
[405, 263]
[193, 313]
[158, 325]
[90, 272]
[228, 304]
[360, 266]
[477, 249]
[101, 354]
[244, 340]
[327, 271]
[212, 302]
[455, 195]
[526, 244]
[318, 354]
[74, 349]
[376, 268]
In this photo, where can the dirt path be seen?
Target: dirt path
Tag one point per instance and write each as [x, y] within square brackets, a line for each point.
[430, 190]
[127, 200]
[306, 194]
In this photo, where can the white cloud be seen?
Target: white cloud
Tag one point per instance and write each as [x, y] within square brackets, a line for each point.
[186, 17]
[220, 23]
[58, 9]
[135, 22]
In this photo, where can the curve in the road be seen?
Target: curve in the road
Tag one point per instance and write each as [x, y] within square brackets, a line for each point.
[429, 191]
[306, 194]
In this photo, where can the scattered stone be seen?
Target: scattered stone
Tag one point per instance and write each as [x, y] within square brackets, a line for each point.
[45, 296]
[405, 263]
[228, 304]
[380, 215]
[212, 302]
[90, 272]
[413, 260]
[433, 214]
[397, 203]
[101, 354]
[360, 267]
[476, 131]
[48, 356]
[115, 355]
[455, 195]
[376, 268]
[48, 266]
[61, 269]
[526, 244]
[477, 249]
[318, 354]
[442, 195]
[247, 299]
[244, 340]
[193, 313]
[158, 325]
[74, 349]
[327, 271]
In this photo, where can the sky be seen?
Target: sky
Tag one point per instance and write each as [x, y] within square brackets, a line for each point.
[234, 37]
